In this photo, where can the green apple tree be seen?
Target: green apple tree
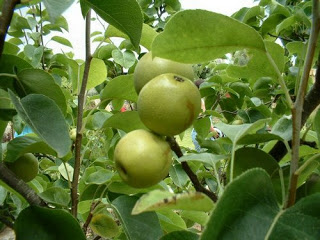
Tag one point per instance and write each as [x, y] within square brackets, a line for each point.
[260, 84]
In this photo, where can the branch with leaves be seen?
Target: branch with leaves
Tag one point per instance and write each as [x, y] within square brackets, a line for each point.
[193, 177]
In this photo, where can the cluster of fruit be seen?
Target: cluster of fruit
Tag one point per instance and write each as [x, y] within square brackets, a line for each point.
[168, 103]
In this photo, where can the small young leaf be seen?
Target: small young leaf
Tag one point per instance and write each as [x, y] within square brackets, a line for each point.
[62, 41]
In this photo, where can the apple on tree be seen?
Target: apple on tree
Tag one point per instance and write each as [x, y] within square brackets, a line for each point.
[142, 158]
[25, 167]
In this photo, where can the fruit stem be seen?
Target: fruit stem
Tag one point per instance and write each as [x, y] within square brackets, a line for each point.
[193, 177]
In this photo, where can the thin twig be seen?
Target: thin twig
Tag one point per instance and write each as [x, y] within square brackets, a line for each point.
[298, 106]
[193, 177]
[5, 19]
[89, 218]
[81, 100]
[20, 186]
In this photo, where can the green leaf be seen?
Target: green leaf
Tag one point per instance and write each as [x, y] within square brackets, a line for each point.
[37, 111]
[207, 158]
[283, 128]
[195, 216]
[39, 223]
[180, 235]
[178, 175]
[158, 199]
[8, 64]
[97, 73]
[104, 225]
[125, 15]
[56, 7]
[105, 52]
[126, 59]
[256, 215]
[10, 48]
[26, 144]
[62, 41]
[194, 36]
[144, 226]
[257, 138]
[120, 87]
[56, 195]
[99, 177]
[40, 82]
[121, 120]
[248, 157]
[236, 132]
[286, 23]
[170, 221]
[250, 214]
[245, 14]
[147, 36]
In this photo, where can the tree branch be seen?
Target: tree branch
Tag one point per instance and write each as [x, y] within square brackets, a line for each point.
[5, 19]
[81, 101]
[193, 177]
[89, 218]
[311, 102]
[20, 186]
[298, 106]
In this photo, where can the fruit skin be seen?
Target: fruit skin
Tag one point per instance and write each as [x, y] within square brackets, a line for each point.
[148, 68]
[25, 167]
[168, 104]
[142, 158]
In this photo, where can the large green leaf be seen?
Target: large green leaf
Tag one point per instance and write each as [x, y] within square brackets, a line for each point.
[194, 36]
[39, 223]
[121, 120]
[248, 210]
[125, 15]
[158, 199]
[120, 87]
[144, 226]
[56, 7]
[56, 195]
[26, 144]
[45, 119]
[40, 82]
[316, 124]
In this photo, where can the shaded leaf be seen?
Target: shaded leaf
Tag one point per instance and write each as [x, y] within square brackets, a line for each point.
[56, 195]
[56, 7]
[207, 158]
[39, 223]
[144, 226]
[180, 235]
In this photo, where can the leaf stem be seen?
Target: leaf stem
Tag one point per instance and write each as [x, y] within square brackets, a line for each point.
[298, 106]
[193, 177]
[81, 100]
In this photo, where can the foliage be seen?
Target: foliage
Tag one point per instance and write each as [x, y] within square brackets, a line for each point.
[259, 181]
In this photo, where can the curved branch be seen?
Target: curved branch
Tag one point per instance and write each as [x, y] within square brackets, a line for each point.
[5, 19]
[193, 177]
[20, 186]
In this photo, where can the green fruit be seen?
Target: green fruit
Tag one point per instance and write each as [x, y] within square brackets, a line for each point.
[25, 167]
[104, 226]
[148, 68]
[142, 158]
[169, 104]
[73, 134]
